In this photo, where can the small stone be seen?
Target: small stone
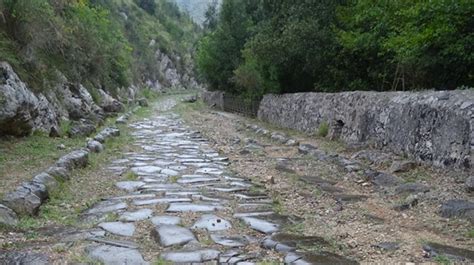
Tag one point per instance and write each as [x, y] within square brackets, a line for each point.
[142, 102]
[59, 173]
[387, 245]
[408, 203]
[95, 146]
[73, 160]
[7, 216]
[61, 147]
[411, 188]
[229, 241]
[49, 181]
[469, 184]
[402, 166]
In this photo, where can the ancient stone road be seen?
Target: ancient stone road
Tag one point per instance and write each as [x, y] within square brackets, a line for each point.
[198, 210]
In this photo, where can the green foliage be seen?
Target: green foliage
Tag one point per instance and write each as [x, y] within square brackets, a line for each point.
[323, 129]
[148, 5]
[99, 43]
[259, 47]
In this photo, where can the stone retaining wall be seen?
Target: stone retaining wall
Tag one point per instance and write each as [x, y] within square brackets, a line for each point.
[432, 127]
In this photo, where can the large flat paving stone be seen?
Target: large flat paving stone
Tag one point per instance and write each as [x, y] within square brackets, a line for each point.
[138, 215]
[212, 223]
[261, 225]
[229, 241]
[118, 228]
[166, 220]
[129, 185]
[111, 255]
[192, 207]
[106, 207]
[146, 170]
[170, 235]
[322, 258]
[23, 258]
[160, 201]
[202, 255]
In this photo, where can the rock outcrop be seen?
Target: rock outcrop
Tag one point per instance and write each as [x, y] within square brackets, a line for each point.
[18, 105]
[431, 127]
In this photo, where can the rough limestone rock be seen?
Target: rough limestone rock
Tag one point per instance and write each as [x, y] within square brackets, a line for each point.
[7, 216]
[95, 146]
[59, 173]
[469, 184]
[458, 208]
[110, 104]
[107, 133]
[143, 102]
[23, 258]
[190, 99]
[75, 159]
[18, 105]
[81, 128]
[48, 118]
[432, 127]
[402, 166]
[47, 180]
[26, 199]
[79, 103]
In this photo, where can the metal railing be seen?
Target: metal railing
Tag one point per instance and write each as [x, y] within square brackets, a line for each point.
[236, 104]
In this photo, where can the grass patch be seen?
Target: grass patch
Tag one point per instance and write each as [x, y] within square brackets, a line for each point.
[323, 129]
[441, 259]
[184, 109]
[131, 176]
[470, 233]
[415, 175]
[277, 206]
[161, 261]
[173, 179]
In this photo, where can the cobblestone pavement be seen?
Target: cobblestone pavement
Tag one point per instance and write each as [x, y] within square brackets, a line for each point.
[197, 210]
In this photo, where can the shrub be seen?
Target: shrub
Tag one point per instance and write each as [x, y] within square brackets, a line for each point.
[323, 129]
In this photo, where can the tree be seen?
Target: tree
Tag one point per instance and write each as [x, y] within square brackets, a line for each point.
[148, 5]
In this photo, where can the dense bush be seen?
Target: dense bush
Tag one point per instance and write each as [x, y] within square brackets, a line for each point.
[289, 46]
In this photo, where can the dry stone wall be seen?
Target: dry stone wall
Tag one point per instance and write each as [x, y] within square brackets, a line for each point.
[435, 127]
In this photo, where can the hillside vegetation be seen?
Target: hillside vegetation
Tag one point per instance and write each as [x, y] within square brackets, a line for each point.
[99, 43]
[254, 46]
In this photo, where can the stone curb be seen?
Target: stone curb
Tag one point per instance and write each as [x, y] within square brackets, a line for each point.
[27, 198]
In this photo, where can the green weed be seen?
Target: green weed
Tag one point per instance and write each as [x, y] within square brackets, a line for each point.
[323, 129]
